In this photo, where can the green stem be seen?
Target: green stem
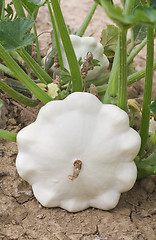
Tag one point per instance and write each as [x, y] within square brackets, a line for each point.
[147, 167]
[71, 57]
[40, 73]
[56, 36]
[37, 46]
[129, 5]
[2, 6]
[23, 77]
[136, 51]
[19, 8]
[112, 89]
[10, 136]
[16, 57]
[50, 59]
[122, 84]
[113, 79]
[33, 17]
[132, 120]
[17, 96]
[87, 20]
[6, 70]
[147, 89]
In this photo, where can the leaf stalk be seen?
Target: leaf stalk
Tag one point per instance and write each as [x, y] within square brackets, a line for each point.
[77, 85]
[147, 89]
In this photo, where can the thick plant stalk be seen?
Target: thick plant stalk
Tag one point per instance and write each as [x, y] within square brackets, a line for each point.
[37, 45]
[87, 20]
[77, 85]
[56, 35]
[147, 89]
[129, 5]
[112, 89]
[113, 79]
[23, 77]
[122, 83]
[136, 51]
[2, 5]
[6, 70]
[10, 136]
[40, 73]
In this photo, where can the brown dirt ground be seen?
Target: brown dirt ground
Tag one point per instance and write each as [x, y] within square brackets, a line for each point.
[22, 217]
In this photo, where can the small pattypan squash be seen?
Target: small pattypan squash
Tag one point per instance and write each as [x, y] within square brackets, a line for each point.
[78, 153]
[82, 46]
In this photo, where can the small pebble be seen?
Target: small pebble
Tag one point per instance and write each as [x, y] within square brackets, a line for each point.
[41, 216]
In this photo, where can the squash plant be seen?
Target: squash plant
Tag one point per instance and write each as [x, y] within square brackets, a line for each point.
[81, 151]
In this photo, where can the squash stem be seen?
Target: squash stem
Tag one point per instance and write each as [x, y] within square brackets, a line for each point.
[87, 20]
[77, 85]
[122, 81]
[147, 89]
[112, 89]
[129, 5]
[2, 6]
[36, 68]
[136, 51]
[10, 136]
[6, 70]
[56, 36]
[37, 45]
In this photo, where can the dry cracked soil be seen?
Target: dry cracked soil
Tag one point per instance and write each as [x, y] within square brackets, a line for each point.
[22, 217]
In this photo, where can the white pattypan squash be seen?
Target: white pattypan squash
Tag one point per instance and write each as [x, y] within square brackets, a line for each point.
[83, 45]
[78, 153]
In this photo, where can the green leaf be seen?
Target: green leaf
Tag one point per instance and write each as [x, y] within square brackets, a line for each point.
[32, 5]
[96, 62]
[65, 76]
[153, 107]
[153, 3]
[10, 12]
[10, 136]
[146, 167]
[116, 14]
[17, 86]
[145, 15]
[139, 32]
[80, 61]
[109, 38]
[36, 2]
[13, 34]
